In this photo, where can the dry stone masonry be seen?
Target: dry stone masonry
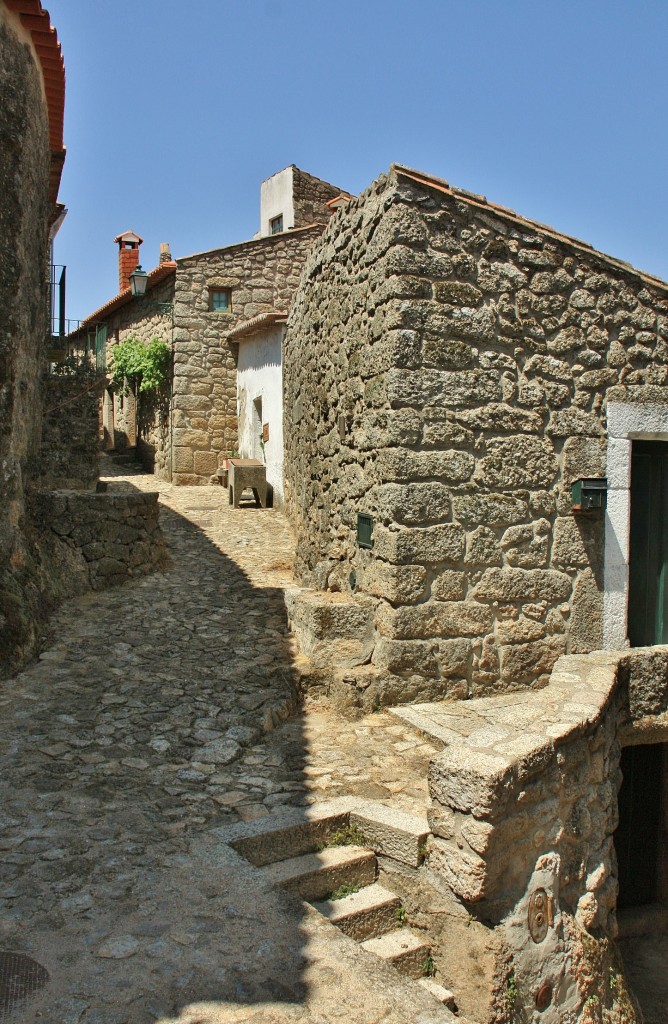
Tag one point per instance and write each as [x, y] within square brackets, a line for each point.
[448, 371]
[114, 537]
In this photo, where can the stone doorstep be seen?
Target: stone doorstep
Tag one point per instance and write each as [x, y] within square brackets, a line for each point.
[365, 914]
[389, 832]
[402, 948]
[313, 876]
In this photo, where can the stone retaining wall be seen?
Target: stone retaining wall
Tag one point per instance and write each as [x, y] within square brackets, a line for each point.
[70, 436]
[524, 798]
[447, 371]
[115, 537]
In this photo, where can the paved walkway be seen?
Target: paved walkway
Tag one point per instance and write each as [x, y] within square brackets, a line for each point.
[159, 711]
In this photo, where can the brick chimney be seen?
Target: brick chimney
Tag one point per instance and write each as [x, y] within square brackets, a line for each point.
[165, 253]
[128, 257]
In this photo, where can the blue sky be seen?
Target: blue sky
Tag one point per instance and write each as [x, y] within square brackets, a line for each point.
[177, 109]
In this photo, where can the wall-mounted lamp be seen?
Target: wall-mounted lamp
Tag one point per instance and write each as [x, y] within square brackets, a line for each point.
[138, 281]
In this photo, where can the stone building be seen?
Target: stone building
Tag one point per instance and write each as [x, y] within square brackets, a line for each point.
[451, 371]
[195, 303]
[32, 84]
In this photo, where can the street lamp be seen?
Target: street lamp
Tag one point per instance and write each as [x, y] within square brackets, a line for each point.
[138, 281]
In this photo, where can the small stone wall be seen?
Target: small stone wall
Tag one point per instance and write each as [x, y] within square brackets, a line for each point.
[447, 371]
[70, 428]
[116, 537]
[524, 798]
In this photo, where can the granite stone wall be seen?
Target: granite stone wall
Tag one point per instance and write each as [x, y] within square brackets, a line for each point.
[24, 173]
[262, 275]
[447, 371]
[524, 806]
[112, 538]
[70, 445]
[309, 198]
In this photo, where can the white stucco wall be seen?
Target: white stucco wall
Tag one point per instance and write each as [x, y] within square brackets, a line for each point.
[627, 421]
[260, 376]
[276, 198]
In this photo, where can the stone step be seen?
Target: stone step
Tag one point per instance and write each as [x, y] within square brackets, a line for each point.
[314, 876]
[283, 836]
[391, 832]
[408, 952]
[365, 914]
[444, 995]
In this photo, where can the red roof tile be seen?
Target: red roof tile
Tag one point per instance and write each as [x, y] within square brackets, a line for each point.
[256, 324]
[45, 40]
[156, 276]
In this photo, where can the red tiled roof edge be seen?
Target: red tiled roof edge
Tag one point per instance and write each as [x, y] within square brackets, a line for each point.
[257, 323]
[45, 40]
[156, 276]
[504, 211]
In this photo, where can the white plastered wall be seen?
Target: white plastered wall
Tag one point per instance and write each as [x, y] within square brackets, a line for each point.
[276, 199]
[260, 375]
[627, 421]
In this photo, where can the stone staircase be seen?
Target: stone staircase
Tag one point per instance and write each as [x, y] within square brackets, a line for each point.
[332, 860]
[121, 456]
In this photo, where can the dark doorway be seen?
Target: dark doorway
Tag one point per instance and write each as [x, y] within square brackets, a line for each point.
[648, 572]
[638, 838]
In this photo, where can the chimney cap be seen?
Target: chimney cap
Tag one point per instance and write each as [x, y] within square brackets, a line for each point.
[129, 236]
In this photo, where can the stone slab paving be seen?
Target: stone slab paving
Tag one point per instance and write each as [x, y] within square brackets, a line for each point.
[157, 712]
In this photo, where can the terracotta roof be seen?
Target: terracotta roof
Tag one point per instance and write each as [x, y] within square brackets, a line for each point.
[503, 211]
[159, 274]
[336, 201]
[130, 234]
[45, 40]
[256, 324]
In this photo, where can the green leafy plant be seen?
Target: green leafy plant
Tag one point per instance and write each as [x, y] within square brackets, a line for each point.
[428, 967]
[350, 835]
[136, 366]
[512, 993]
[402, 917]
[343, 891]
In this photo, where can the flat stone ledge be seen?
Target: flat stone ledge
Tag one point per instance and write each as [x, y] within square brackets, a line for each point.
[501, 730]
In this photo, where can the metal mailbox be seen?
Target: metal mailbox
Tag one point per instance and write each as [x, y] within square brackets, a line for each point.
[589, 494]
[364, 530]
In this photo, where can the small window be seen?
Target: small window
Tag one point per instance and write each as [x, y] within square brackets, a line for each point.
[276, 225]
[220, 300]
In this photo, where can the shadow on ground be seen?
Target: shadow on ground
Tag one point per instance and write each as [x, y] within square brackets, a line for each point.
[140, 729]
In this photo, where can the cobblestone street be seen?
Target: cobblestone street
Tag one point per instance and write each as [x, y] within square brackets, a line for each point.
[157, 712]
